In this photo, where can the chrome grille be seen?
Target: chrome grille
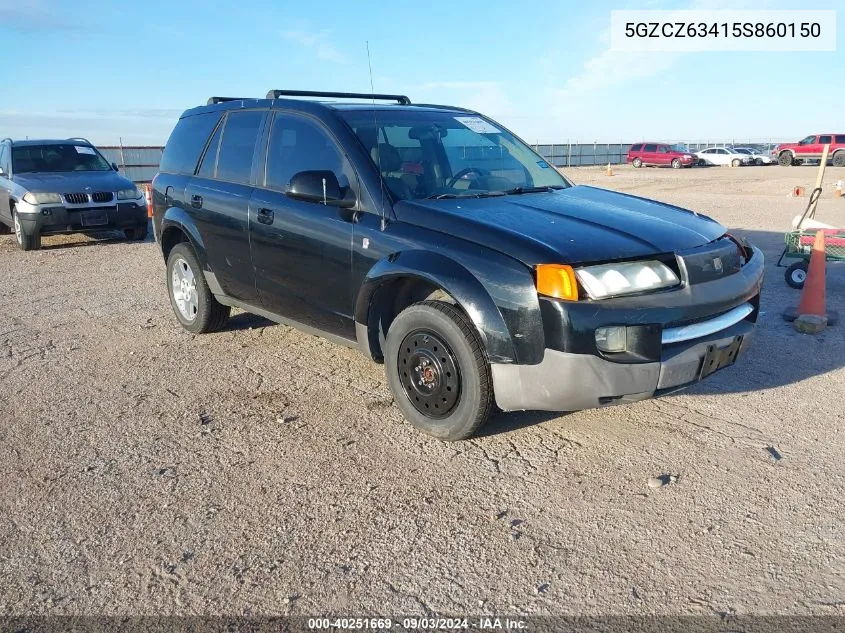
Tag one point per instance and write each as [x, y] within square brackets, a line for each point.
[76, 198]
[102, 196]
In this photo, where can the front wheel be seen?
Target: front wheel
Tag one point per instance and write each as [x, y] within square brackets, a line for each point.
[195, 307]
[137, 233]
[676, 163]
[437, 370]
[796, 275]
[637, 163]
[785, 159]
[26, 241]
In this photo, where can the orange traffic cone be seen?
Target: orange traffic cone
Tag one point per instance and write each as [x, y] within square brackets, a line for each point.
[837, 191]
[798, 192]
[148, 195]
[811, 316]
[609, 171]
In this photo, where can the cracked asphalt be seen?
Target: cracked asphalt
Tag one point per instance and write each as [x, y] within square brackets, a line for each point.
[264, 471]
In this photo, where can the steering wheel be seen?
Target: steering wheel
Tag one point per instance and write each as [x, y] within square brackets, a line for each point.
[462, 173]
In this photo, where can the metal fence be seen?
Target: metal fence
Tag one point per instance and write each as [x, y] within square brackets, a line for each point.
[582, 154]
[140, 163]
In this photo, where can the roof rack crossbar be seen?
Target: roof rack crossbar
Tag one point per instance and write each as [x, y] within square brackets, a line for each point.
[275, 94]
[213, 100]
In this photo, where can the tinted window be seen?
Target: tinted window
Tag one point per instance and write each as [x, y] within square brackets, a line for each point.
[637, 147]
[209, 161]
[186, 143]
[650, 148]
[839, 138]
[808, 140]
[824, 139]
[299, 144]
[237, 146]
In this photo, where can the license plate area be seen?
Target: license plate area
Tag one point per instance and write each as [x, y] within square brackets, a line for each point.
[93, 218]
[718, 358]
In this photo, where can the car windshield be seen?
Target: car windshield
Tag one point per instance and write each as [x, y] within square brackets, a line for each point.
[57, 158]
[679, 148]
[437, 154]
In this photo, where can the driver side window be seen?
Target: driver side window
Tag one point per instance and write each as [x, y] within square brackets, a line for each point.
[298, 144]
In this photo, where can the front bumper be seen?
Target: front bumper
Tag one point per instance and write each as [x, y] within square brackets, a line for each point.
[680, 331]
[46, 219]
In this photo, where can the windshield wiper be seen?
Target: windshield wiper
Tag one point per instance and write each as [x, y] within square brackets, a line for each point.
[480, 194]
[520, 190]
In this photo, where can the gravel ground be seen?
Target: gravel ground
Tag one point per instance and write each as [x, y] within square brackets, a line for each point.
[264, 471]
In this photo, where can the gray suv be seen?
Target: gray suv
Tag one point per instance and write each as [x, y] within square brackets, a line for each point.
[65, 186]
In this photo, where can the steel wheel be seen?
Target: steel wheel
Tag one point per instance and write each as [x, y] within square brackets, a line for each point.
[184, 285]
[796, 275]
[430, 374]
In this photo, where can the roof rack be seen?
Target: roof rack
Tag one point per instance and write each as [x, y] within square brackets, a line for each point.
[275, 94]
[79, 138]
[6, 139]
[213, 100]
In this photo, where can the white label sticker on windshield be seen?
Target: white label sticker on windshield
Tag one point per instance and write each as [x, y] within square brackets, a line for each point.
[81, 149]
[477, 124]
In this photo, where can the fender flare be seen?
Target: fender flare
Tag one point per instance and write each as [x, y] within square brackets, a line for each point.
[448, 274]
[177, 218]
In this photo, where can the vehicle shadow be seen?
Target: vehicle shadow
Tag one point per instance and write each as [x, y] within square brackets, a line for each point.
[246, 321]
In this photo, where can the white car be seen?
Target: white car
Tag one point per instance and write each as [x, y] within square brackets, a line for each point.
[722, 156]
[756, 157]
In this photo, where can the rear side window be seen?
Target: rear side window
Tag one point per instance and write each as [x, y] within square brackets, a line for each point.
[186, 143]
[237, 145]
[209, 161]
[650, 148]
[824, 139]
[637, 147]
[839, 138]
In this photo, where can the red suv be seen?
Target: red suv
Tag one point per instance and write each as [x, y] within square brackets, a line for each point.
[811, 148]
[660, 154]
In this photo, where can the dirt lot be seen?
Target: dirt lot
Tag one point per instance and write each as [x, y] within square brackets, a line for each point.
[264, 471]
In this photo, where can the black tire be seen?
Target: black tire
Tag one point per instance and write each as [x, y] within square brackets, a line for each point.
[138, 233]
[637, 163]
[839, 159]
[446, 339]
[758, 162]
[796, 275]
[26, 241]
[785, 159]
[210, 315]
[676, 163]
[5, 230]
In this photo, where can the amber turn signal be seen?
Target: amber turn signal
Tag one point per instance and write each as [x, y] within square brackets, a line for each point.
[558, 281]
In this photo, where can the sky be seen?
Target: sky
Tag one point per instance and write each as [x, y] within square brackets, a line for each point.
[124, 71]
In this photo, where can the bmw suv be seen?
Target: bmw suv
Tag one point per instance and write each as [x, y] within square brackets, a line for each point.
[65, 186]
[438, 243]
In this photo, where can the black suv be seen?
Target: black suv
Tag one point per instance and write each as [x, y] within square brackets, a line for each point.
[65, 186]
[436, 241]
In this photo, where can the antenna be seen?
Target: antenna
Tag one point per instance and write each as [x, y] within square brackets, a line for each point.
[378, 152]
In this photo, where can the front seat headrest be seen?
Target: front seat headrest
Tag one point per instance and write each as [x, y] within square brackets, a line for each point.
[386, 157]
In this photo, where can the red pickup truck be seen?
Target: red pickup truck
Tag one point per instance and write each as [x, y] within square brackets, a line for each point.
[811, 148]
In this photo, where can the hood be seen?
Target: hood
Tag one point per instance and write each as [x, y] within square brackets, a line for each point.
[577, 225]
[72, 181]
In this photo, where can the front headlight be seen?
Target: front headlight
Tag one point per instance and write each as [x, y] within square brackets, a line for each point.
[129, 194]
[610, 280]
[42, 198]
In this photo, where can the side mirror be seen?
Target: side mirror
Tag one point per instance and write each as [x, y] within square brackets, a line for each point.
[114, 166]
[321, 187]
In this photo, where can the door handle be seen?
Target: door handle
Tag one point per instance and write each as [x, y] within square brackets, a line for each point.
[196, 202]
[265, 216]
